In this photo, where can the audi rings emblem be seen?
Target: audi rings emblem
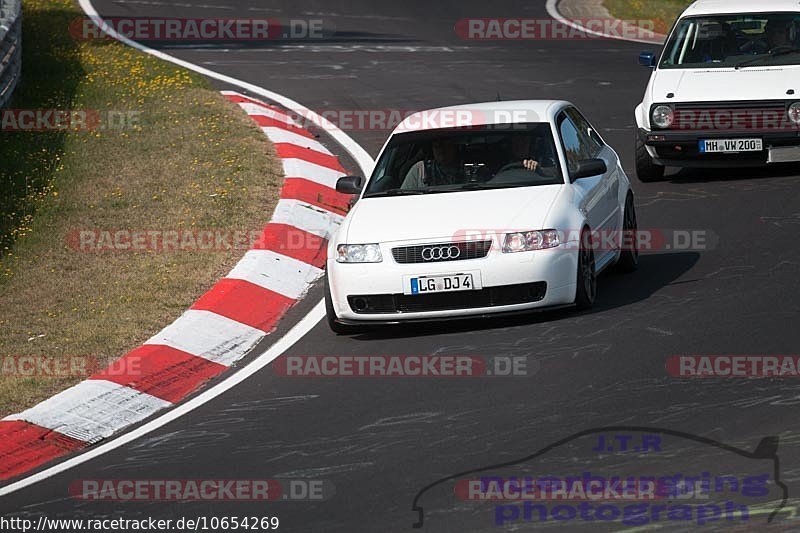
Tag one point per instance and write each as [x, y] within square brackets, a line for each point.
[441, 253]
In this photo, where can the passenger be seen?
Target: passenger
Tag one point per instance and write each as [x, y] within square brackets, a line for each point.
[777, 33]
[443, 169]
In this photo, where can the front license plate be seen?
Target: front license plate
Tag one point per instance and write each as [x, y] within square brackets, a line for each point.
[730, 146]
[444, 283]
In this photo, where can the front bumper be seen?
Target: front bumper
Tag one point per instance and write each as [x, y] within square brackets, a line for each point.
[510, 283]
[681, 148]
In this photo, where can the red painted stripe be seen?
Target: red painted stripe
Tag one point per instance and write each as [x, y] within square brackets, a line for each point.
[292, 151]
[266, 122]
[295, 243]
[246, 303]
[315, 193]
[241, 99]
[161, 371]
[25, 446]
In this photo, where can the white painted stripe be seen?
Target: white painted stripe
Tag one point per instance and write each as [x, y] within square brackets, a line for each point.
[257, 110]
[275, 351]
[92, 410]
[307, 217]
[297, 168]
[276, 272]
[280, 135]
[210, 336]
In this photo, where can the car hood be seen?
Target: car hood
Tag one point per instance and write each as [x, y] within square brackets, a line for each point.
[725, 84]
[448, 216]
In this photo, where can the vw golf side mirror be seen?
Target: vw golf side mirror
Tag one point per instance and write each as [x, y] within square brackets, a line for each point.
[647, 59]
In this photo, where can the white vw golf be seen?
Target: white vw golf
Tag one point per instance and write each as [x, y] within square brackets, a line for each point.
[477, 210]
[725, 91]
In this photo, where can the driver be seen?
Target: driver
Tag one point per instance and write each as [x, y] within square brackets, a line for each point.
[521, 150]
[521, 154]
[441, 170]
[777, 34]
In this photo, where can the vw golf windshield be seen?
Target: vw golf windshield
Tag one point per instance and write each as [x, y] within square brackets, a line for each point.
[719, 41]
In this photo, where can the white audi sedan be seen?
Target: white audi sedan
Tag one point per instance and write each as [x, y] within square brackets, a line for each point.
[480, 210]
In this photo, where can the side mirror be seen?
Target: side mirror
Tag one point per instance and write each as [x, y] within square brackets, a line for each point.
[647, 59]
[590, 167]
[349, 185]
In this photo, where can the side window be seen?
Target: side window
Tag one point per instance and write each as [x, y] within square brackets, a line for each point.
[570, 140]
[588, 135]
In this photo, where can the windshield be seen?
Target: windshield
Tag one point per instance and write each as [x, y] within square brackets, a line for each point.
[734, 41]
[444, 161]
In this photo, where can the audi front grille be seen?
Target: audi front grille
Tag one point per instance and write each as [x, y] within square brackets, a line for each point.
[439, 253]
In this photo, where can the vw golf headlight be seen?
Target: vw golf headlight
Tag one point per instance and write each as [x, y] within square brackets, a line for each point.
[528, 241]
[794, 113]
[358, 253]
[663, 116]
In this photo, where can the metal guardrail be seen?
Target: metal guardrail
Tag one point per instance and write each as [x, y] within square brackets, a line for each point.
[10, 47]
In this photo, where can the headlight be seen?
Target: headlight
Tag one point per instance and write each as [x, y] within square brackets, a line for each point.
[531, 240]
[663, 116]
[794, 113]
[359, 253]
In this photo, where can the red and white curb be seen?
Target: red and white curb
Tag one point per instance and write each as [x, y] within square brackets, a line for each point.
[554, 9]
[218, 330]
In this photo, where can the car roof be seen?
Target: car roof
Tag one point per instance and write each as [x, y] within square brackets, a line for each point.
[482, 114]
[712, 7]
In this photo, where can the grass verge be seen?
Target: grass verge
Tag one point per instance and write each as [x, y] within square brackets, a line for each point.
[663, 12]
[169, 153]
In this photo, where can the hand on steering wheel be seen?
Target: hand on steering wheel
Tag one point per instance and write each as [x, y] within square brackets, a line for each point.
[527, 164]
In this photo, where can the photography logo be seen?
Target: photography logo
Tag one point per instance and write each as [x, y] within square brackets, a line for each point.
[627, 476]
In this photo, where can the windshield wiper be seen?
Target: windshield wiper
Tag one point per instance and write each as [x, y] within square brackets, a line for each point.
[476, 186]
[396, 192]
[780, 52]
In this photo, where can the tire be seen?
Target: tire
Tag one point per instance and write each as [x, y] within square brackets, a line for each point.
[629, 257]
[646, 169]
[586, 291]
[333, 323]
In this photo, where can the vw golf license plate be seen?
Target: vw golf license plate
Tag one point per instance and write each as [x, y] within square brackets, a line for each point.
[443, 283]
[730, 146]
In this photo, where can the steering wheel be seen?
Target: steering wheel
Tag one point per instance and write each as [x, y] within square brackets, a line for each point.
[513, 166]
[755, 45]
[782, 48]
